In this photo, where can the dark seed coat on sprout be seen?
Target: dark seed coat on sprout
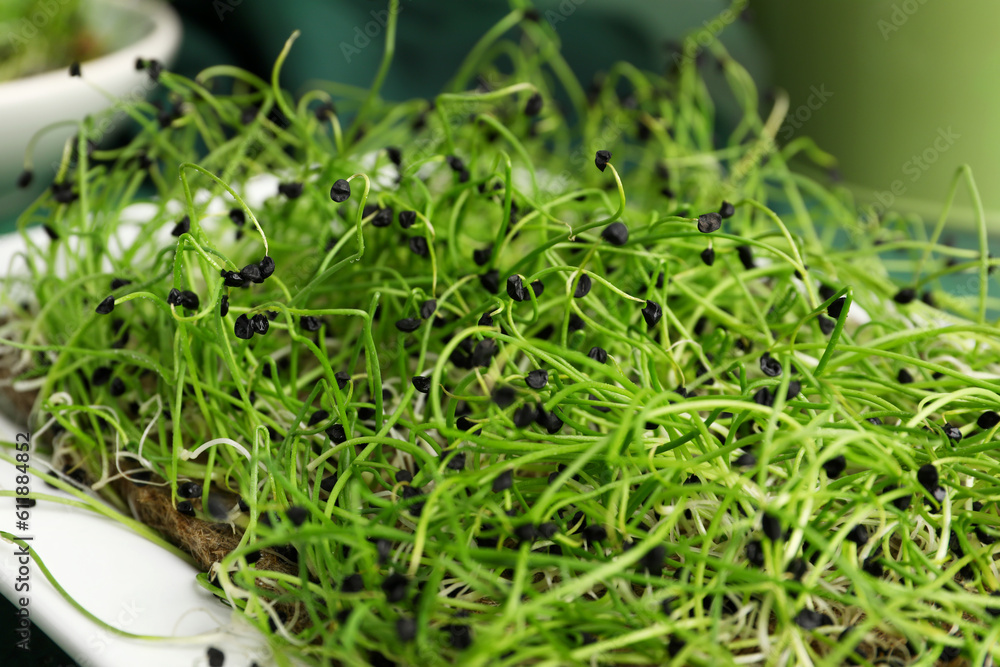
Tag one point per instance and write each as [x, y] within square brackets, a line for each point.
[548, 420]
[238, 217]
[353, 584]
[904, 377]
[902, 502]
[317, 417]
[251, 274]
[652, 313]
[408, 324]
[427, 308]
[297, 515]
[342, 378]
[259, 323]
[534, 105]
[63, 193]
[242, 328]
[537, 379]
[484, 352]
[726, 210]
[988, 420]
[174, 297]
[763, 396]
[858, 535]
[189, 490]
[182, 227]
[216, 658]
[154, 68]
[746, 256]
[340, 191]
[503, 481]
[755, 553]
[266, 267]
[745, 460]
[810, 620]
[186, 508]
[100, 376]
[771, 526]
[407, 218]
[233, 279]
[708, 256]
[74, 69]
[189, 300]
[490, 281]
[106, 306]
[290, 190]
[952, 432]
[516, 289]
[927, 475]
[337, 434]
[616, 233]
[503, 396]
[709, 222]
[526, 533]
[595, 533]
[770, 366]
[835, 466]
[826, 325]
[794, 388]
[421, 383]
[835, 308]
[406, 628]
[601, 159]
[482, 255]
[459, 636]
[598, 354]
[25, 178]
[583, 286]
[383, 218]
[310, 323]
[524, 416]
[905, 296]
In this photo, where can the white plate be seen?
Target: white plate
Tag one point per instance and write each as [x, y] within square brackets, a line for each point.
[123, 579]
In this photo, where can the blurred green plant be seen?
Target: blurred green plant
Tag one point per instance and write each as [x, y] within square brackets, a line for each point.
[41, 35]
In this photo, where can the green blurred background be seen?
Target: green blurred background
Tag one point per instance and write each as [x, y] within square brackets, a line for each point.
[901, 91]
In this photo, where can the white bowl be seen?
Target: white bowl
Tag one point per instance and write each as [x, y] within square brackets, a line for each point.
[132, 29]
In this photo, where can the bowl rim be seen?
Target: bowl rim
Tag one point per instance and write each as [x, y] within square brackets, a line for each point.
[163, 38]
